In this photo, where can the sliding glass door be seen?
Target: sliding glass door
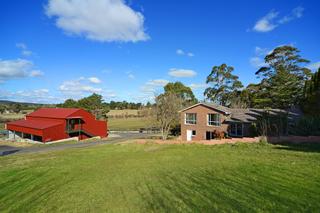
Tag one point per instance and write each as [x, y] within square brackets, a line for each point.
[236, 129]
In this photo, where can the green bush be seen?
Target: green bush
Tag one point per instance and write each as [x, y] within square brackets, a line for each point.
[307, 126]
[253, 130]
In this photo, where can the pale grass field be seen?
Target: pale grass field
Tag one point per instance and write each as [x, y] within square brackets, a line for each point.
[120, 124]
[115, 112]
[12, 116]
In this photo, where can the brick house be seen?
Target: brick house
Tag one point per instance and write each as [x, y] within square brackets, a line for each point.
[198, 122]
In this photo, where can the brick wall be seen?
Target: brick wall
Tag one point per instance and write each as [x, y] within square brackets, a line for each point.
[202, 123]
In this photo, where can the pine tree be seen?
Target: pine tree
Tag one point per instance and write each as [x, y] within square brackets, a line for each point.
[283, 78]
[312, 95]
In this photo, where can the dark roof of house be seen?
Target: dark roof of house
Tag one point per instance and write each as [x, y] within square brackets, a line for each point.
[218, 107]
[34, 124]
[251, 114]
[241, 115]
[53, 112]
[244, 115]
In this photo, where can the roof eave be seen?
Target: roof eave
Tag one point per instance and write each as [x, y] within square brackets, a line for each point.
[225, 112]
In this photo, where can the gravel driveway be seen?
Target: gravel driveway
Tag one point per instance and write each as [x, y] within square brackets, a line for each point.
[113, 138]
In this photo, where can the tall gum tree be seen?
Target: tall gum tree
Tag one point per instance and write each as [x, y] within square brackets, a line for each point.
[224, 85]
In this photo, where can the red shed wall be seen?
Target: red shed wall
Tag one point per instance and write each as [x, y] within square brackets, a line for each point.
[54, 133]
[91, 125]
[38, 132]
[98, 128]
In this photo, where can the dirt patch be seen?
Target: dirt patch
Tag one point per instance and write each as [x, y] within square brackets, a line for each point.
[15, 144]
[204, 142]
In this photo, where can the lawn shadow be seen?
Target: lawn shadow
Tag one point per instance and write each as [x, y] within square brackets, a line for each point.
[7, 150]
[301, 147]
[207, 192]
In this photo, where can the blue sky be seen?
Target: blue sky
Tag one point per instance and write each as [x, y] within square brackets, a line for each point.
[128, 50]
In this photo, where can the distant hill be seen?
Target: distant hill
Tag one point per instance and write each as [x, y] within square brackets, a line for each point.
[6, 102]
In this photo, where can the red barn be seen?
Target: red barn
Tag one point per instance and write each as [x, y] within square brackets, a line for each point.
[50, 124]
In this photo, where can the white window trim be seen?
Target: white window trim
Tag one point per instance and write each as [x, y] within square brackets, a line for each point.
[208, 124]
[185, 118]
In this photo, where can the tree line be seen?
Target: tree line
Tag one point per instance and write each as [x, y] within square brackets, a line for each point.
[285, 83]
[282, 83]
[71, 103]
[97, 106]
[17, 107]
[311, 99]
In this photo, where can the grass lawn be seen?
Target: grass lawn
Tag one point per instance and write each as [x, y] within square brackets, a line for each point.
[127, 123]
[1, 126]
[3, 142]
[163, 178]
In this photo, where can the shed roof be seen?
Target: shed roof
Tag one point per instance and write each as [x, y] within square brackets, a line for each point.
[53, 112]
[34, 124]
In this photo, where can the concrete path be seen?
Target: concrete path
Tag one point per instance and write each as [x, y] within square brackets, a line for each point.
[119, 137]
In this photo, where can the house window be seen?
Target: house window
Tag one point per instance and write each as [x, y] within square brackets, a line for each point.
[194, 132]
[214, 120]
[191, 118]
[236, 129]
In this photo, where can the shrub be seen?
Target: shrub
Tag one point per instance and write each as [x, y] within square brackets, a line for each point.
[307, 126]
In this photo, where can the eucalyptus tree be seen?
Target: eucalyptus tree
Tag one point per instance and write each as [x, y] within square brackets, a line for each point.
[224, 86]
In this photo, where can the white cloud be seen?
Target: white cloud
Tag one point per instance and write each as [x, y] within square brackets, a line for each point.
[21, 46]
[78, 88]
[152, 86]
[295, 13]
[36, 94]
[198, 86]
[182, 73]
[36, 73]
[158, 82]
[265, 24]
[106, 71]
[94, 80]
[261, 51]
[257, 62]
[269, 22]
[26, 52]
[24, 49]
[182, 52]
[100, 20]
[314, 66]
[108, 94]
[18, 68]
[30, 96]
[130, 75]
